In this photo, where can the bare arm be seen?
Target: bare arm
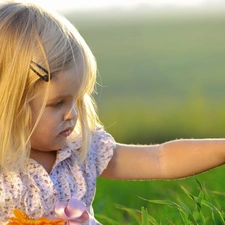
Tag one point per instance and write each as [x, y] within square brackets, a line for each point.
[170, 160]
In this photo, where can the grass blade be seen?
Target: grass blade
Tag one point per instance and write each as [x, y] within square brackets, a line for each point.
[144, 216]
[136, 214]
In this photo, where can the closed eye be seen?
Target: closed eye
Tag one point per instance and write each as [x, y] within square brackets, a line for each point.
[57, 104]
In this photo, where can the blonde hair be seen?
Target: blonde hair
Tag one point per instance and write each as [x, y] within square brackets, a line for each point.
[30, 33]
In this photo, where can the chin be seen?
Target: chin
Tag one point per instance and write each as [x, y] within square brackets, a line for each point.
[58, 146]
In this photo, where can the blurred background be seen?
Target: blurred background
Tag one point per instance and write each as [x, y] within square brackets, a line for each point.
[161, 77]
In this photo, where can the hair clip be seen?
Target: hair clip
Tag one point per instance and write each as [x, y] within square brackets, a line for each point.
[46, 77]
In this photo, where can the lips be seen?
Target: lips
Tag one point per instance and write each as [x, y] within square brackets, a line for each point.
[66, 132]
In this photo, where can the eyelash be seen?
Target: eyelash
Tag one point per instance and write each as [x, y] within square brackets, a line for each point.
[58, 104]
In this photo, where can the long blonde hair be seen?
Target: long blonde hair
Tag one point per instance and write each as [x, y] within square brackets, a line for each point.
[30, 33]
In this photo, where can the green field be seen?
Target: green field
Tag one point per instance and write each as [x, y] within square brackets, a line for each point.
[159, 79]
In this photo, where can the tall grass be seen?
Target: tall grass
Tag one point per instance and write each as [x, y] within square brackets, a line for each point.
[204, 210]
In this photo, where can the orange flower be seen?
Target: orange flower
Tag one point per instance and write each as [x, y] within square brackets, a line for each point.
[22, 219]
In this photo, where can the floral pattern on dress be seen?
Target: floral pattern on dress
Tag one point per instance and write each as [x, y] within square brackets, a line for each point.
[35, 192]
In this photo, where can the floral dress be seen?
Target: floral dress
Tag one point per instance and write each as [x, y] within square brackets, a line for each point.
[36, 192]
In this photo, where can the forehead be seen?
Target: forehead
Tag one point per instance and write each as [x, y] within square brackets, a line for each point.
[64, 83]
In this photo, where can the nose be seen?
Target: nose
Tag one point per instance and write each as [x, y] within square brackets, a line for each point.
[71, 114]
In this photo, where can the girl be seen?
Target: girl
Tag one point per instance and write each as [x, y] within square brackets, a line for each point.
[52, 145]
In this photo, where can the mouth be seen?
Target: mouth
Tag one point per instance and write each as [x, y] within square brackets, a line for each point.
[66, 132]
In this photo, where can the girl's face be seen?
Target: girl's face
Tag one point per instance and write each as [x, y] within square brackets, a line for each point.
[60, 113]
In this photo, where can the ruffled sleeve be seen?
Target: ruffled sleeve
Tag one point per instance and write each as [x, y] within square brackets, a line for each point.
[101, 151]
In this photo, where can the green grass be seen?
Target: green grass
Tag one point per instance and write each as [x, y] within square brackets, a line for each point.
[130, 193]
[203, 210]
[160, 79]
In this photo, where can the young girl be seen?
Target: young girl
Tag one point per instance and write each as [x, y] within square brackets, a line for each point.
[52, 146]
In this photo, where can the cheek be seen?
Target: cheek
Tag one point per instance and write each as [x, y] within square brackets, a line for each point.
[45, 130]
[46, 125]
[51, 122]
[35, 114]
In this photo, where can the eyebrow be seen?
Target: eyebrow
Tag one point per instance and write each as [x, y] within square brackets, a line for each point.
[60, 97]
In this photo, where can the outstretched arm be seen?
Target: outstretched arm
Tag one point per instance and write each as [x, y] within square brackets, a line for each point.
[170, 160]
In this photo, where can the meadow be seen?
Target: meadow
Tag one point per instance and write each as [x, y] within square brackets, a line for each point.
[160, 78]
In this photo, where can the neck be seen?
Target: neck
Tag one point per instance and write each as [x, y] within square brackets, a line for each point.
[44, 158]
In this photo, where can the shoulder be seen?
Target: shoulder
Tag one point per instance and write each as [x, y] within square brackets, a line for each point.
[101, 150]
[101, 140]
[102, 143]
[99, 153]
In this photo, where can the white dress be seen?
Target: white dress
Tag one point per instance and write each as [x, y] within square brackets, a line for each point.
[36, 192]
